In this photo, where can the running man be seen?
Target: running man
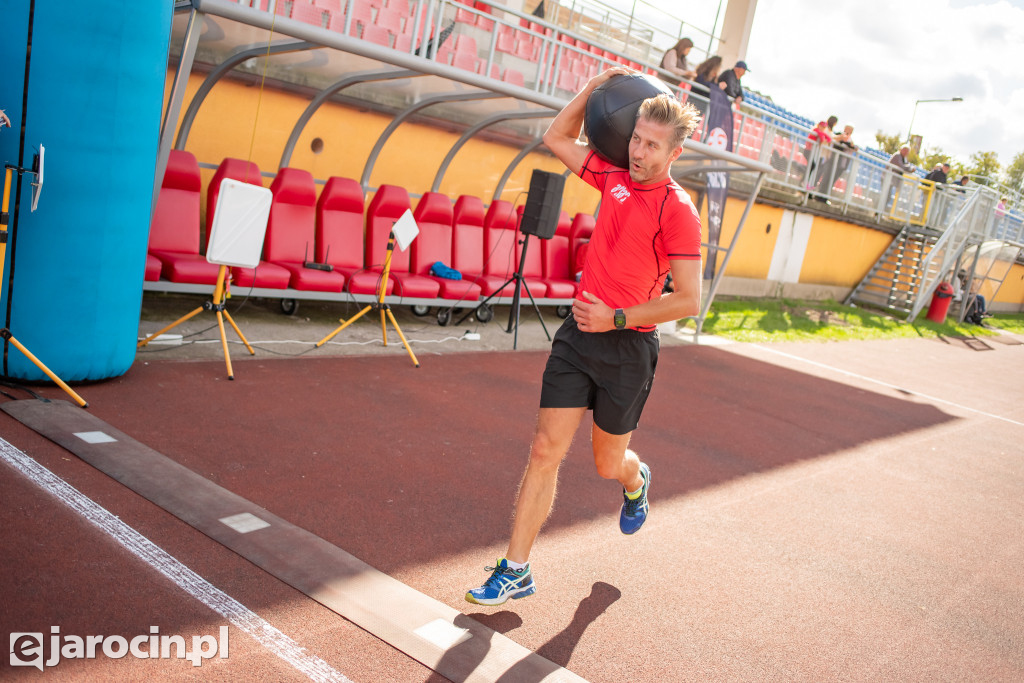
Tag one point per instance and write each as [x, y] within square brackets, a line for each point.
[604, 355]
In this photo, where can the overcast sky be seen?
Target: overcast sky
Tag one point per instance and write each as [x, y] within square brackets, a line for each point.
[868, 61]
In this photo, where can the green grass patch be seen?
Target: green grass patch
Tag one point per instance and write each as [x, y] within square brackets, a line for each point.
[1010, 322]
[776, 320]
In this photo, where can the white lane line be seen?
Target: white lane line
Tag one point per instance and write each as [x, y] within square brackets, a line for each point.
[235, 612]
[887, 384]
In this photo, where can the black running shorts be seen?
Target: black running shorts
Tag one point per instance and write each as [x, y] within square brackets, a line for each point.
[608, 372]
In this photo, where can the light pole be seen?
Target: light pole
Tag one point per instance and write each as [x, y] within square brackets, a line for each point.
[911, 129]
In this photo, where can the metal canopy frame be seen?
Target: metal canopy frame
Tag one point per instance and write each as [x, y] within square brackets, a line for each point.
[222, 36]
[371, 160]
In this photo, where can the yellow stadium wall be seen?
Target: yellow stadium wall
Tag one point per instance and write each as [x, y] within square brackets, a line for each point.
[841, 253]
[754, 249]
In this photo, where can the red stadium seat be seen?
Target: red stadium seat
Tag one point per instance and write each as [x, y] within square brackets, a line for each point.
[391, 20]
[174, 232]
[580, 231]
[434, 216]
[499, 248]
[266, 275]
[514, 77]
[331, 6]
[153, 267]
[376, 34]
[555, 261]
[291, 232]
[386, 207]
[236, 169]
[506, 39]
[533, 266]
[340, 224]
[401, 6]
[464, 60]
[468, 237]
[308, 14]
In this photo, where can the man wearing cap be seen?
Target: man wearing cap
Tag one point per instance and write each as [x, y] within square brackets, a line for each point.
[731, 78]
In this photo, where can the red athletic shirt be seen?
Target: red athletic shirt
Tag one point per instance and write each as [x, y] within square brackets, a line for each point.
[639, 229]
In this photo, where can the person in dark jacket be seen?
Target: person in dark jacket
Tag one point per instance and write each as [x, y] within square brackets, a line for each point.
[731, 78]
[939, 174]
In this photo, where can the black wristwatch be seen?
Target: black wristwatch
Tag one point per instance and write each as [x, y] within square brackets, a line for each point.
[620, 319]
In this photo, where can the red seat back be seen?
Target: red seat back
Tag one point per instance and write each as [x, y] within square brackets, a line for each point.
[579, 233]
[433, 215]
[386, 207]
[500, 238]
[555, 251]
[291, 229]
[468, 235]
[175, 224]
[236, 169]
[340, 224]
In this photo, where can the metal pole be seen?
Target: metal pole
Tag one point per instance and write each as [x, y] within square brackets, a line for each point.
[188, 53]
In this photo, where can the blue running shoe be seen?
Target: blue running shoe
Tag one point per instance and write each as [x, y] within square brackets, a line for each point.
[504, 583]
[634, 512]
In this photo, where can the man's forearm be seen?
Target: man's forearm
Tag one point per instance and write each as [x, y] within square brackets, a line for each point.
[668, 307]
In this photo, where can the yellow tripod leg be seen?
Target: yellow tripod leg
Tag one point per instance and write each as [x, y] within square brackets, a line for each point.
[402, 337]
[344, 324]
[239, 333]
[383, 325]
[49, 373]
[172, 325]
[224, 344]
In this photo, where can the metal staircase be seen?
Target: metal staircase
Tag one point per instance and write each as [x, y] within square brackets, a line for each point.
[896, 278]
[906, 275]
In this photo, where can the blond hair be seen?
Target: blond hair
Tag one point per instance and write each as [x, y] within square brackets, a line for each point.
[668, 111]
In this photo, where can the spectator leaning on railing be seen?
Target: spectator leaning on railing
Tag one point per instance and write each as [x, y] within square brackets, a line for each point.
[731, 79]
[707, 77]
[707, 72]
[674, 60]
[900, 164]
[844, 143]
[818, 142]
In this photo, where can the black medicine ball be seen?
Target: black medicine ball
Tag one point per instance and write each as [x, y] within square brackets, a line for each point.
[611, 113]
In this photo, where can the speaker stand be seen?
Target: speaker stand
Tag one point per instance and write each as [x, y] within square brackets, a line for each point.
[516, 298]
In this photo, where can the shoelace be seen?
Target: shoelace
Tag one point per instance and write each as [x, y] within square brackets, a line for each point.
[497, 572]
[633, 504]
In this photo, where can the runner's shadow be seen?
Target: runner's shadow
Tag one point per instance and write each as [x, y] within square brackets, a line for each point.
[468, 654]
[558, 650]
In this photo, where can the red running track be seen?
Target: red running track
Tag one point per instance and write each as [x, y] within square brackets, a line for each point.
[819, 511]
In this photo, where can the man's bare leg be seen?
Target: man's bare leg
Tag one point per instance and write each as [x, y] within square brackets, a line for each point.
[614, 460]
[555, 430]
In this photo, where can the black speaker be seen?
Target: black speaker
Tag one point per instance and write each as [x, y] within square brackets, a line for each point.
[543, 204]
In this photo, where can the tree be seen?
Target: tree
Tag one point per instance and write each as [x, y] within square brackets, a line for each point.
[933, 157]
[1013, 175]
[985, 164]
[890, 144]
